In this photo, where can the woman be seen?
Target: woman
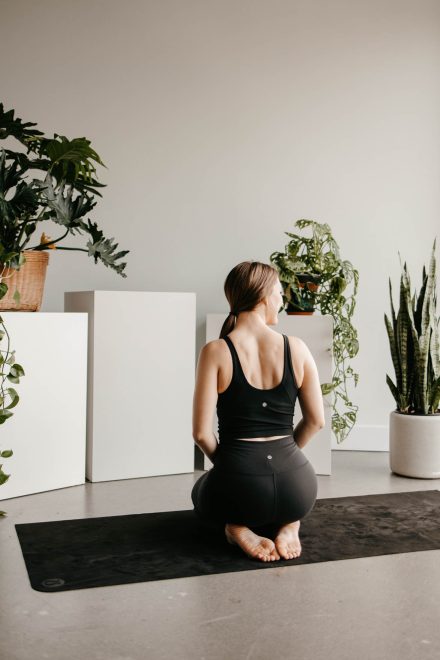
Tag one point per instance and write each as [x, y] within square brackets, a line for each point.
[261, 484]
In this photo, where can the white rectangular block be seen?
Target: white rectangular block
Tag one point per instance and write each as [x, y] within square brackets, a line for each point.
[47, 432]
[141, 374]
[317, 332]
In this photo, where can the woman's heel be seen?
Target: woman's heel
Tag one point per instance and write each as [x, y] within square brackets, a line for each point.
[229, 538]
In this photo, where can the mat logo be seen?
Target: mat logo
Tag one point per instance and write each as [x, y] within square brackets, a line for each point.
[53, 582]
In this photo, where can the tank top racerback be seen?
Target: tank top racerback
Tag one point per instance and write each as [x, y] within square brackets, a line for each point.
[245, 411]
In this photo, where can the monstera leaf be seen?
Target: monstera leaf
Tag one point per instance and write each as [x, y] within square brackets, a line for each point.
[24, 200]
[10, 126]
[103, 248]
[71, 161]
[65, 210]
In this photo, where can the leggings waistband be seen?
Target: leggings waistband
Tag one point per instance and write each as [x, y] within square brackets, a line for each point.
[284, 440]
[259, 456]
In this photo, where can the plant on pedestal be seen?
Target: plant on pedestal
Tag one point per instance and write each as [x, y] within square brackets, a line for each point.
[313, 275]
[63, 194]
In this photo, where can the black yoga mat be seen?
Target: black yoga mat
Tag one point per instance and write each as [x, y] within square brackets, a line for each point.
[63, 555]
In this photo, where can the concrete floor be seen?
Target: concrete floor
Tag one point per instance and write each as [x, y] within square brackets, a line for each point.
[383, 608]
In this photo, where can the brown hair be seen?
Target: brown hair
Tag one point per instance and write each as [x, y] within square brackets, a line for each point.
[245, 286]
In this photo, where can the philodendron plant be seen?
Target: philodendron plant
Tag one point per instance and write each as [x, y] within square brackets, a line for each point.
[317, 259]
[64, 195]
[414, 343]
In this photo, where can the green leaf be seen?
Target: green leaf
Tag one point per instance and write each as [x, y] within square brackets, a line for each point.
[394, 390]
[70, 159]
[17, 370]
[14, 397]
[6, 453]
[4, 415]
[3, 477]
[103, 248]
[15, 127]
[65, 210]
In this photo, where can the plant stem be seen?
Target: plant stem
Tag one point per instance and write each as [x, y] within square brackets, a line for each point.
[44, 246]
[4, 362]
[70, 248]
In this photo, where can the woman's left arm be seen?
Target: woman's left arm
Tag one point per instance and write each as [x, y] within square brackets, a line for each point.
[205, 398]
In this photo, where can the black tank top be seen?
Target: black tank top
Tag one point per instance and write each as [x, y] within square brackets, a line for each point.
[245, 411]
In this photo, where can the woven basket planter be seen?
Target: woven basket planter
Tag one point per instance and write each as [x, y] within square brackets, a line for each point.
[29, 281]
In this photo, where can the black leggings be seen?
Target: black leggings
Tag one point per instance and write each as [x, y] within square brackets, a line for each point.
[256, 483]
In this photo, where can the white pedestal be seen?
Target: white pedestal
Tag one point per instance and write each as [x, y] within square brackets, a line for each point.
[141, 373]
[317, 332]
[47, 432]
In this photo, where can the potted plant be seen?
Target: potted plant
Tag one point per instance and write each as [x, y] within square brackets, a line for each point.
[64, 196]
[415, 350]
[12, 371]
[314, 276]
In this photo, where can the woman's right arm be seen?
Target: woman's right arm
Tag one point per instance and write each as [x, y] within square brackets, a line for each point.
[205, 398]
[310, 399]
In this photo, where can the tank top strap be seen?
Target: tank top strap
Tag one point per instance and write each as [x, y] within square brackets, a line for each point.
[288, 359]
[237, 371]
[284, 357]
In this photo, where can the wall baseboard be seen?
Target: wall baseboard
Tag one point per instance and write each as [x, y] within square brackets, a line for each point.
[364, 437]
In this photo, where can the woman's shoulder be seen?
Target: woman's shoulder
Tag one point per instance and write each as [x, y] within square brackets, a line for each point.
[297, 343]
[214, 347]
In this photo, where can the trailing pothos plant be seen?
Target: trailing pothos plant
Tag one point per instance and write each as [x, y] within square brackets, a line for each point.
[11, 371]
[317, 259]
[64, 193]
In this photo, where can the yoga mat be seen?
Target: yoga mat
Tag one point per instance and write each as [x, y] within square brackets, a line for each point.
[63, 555]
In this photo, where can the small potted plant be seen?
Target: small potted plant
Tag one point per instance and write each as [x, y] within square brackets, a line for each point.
[302, 266]
[314, 276]
[413, 334]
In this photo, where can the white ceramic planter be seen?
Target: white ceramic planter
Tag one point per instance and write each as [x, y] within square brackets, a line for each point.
[415, 445]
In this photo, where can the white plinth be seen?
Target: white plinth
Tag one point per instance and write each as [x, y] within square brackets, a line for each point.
[47, 432]
[317, 332]
[141, 373]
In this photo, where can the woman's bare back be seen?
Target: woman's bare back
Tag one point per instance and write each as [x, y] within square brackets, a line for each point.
[262, 362]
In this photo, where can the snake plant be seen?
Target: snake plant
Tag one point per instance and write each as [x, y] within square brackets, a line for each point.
[414, 343]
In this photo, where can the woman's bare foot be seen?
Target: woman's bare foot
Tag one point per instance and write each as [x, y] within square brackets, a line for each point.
[287, 541]
[257, 547]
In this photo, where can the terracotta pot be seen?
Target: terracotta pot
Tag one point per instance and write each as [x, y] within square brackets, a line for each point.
[415, 445]
[312, 286]
[29, 281]
[294, 313]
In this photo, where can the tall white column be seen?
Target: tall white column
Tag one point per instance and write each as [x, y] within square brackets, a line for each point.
[47, 432]
[141, 372]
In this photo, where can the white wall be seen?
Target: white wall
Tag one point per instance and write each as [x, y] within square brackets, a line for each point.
[222, 122]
